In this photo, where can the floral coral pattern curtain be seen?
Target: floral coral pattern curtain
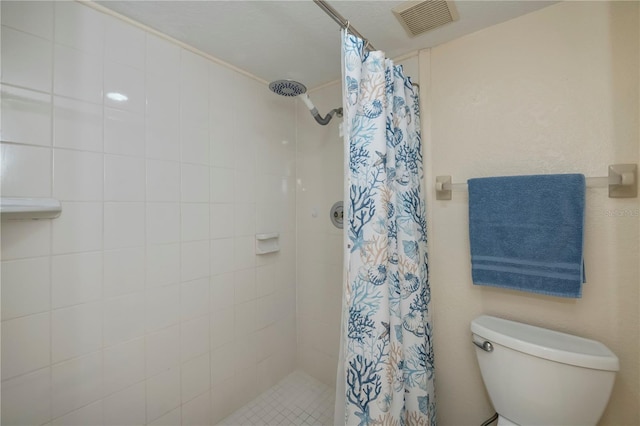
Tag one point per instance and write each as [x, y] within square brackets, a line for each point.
[388, 376]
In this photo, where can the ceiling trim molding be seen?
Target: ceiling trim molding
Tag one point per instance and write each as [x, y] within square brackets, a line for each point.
[395, 60]
[407, 56]
[324, 85]
[106, 11]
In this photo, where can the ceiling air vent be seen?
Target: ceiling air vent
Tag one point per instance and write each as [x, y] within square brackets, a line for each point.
[418, 17]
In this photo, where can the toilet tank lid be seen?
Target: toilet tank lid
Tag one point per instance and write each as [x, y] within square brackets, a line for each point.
[544, 343]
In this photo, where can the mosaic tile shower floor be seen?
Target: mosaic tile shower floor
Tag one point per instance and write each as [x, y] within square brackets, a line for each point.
[297, 400]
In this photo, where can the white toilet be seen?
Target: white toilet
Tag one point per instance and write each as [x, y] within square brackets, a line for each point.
[536, 376]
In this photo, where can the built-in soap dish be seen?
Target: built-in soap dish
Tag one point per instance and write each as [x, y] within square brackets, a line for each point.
[14, 208]
[267, 243]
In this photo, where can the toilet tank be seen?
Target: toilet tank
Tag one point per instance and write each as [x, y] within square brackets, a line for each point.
[537, 376]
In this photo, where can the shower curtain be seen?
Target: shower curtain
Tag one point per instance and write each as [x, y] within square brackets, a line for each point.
[386, 370]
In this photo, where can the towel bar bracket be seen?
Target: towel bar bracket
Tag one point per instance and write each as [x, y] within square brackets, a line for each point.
[443, 187]
[623, 181]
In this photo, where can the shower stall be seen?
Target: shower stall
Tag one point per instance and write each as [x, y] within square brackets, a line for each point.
[147, 301]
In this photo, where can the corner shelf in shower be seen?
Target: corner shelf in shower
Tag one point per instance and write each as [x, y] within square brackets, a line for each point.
[29, 208]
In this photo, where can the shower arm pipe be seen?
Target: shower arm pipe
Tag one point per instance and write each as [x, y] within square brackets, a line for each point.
[340, 20]
[314, 111]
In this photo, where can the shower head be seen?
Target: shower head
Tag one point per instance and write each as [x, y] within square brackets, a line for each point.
[293, 88]
[287, 87]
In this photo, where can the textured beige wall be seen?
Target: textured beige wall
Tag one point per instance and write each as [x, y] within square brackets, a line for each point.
[555, 91]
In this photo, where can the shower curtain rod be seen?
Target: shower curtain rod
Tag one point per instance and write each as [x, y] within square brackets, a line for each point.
[339, 19]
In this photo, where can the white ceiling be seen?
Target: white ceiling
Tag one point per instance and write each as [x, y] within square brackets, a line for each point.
[295, 39]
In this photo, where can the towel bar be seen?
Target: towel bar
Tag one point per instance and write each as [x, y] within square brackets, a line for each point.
[622, 182]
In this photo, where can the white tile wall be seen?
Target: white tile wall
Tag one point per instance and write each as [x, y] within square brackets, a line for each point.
[123, 132]
[195, 222]
[163, 180]
[123, 365]
[222, 370]
[77, 74]
[26, 116]
[163, 393]
[195, 183]
[124, 44]
[25, 344]
[123, 271]
[126, 407]
[123, 224]
[79, 27]
[163, 223]
[79, 175]
[26, 287]
[194, 298]
[222, 187]
[76, 383]
[222, 291]
[124, 178]
[124, 87]
[138, 304]
[163, 58]
[319, 275]
[26, 60]
[195, 377]
[78, 229]
[163, 102]
[26, 171]
[76, 331]
[26, 240]
[244, 282]
[89, 415]
[172, 418]
[222, 221]
[34, 17]
[27, 398]
[222, 327]
[162, 307]
[77, 124]
[76, 278]
[195, 260]
[194, 337]
[162, 351]
[124, 318]
[197, 411]
[163, 265]
[243, 250]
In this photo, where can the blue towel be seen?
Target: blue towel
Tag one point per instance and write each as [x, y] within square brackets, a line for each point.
[526, 233]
